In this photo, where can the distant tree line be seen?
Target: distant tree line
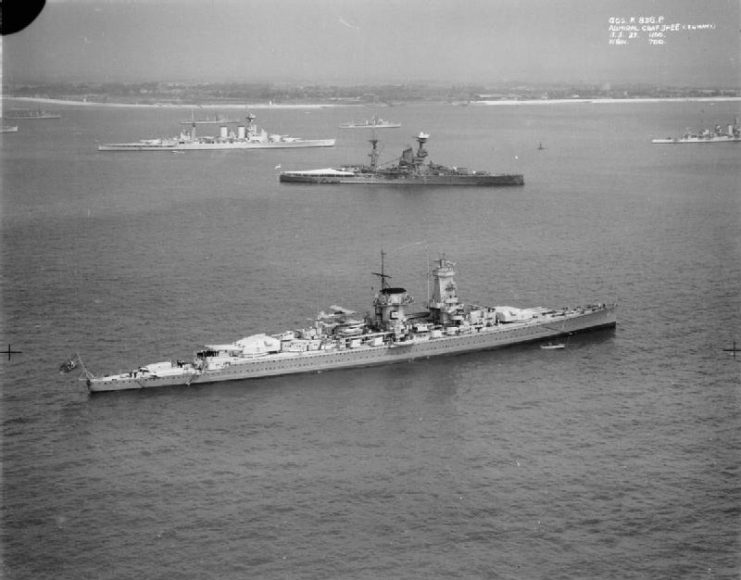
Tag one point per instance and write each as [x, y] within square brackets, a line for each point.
[318, 93]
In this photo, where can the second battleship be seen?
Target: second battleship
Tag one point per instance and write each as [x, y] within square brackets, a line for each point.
[412, 169]
[247, 136]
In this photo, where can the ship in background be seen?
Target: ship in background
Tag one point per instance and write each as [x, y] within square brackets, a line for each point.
[373, 123]
[216, 120]
[412, 169]
[29, 114]
[732, 134]
[391, 333]
[246, 136]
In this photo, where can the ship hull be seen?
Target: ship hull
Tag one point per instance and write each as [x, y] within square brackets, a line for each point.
[323, 360]
[205, 146]
[427, 180]
[692, 141]
[380, 126]
[32, 117]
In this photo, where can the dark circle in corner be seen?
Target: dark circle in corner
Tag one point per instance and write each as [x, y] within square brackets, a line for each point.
[17, 14]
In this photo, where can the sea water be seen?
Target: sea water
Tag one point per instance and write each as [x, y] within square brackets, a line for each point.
[616, 457]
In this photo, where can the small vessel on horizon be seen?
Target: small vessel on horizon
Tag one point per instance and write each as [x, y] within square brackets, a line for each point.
[391, 333]
[217, 120]
[247, 136]
[732, 134]
[9, 129]
[412, 168]
[374, 122]
[16, 114]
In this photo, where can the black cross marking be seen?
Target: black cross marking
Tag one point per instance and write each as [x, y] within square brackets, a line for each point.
[10, 352]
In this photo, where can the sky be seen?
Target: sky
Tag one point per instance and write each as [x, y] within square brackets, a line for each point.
[378, 41]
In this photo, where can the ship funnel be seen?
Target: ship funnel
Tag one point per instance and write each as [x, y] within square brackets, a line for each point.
[224, 132]
[241, 131]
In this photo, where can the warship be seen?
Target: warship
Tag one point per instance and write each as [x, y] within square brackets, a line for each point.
[247, 136]
[391, 333]
[412, 169]
[26, 114]
[732, 134]
[373, 123]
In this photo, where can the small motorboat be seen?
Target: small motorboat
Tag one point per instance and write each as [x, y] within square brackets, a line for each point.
[553, 346]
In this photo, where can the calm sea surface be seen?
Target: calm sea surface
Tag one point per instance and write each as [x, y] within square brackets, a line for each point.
[617, 457]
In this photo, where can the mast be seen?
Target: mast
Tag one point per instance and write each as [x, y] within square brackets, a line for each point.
[381, 274]
[251, 127]
[374, 163]
[419, 157]
[427, 255]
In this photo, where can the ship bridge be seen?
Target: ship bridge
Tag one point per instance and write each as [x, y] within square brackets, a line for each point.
[444, 303]
[389, 303]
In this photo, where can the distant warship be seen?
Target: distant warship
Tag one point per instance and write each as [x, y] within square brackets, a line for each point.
[247, 136]
[732, 134]
[31, 114]
[411, 169]
[374, 123]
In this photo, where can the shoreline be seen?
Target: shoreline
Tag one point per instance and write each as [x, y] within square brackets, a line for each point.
[608, 101]
[49, 101]
[510, 102]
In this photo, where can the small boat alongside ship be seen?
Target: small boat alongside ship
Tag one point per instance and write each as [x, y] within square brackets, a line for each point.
[246, 136]
[412, 168]
[373, 123]
[392, 333]
[9, 129]
[732, 134]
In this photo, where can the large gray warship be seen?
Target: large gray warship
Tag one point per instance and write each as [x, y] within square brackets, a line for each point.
[246, 136]
[412, 169]
[390, 334]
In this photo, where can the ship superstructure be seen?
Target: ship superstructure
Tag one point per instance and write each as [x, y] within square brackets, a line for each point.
[392, 333]
[412, 168]
[244, 136]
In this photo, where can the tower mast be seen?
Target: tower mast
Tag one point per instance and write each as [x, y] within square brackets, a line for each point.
[381, 274]
[374, 155]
